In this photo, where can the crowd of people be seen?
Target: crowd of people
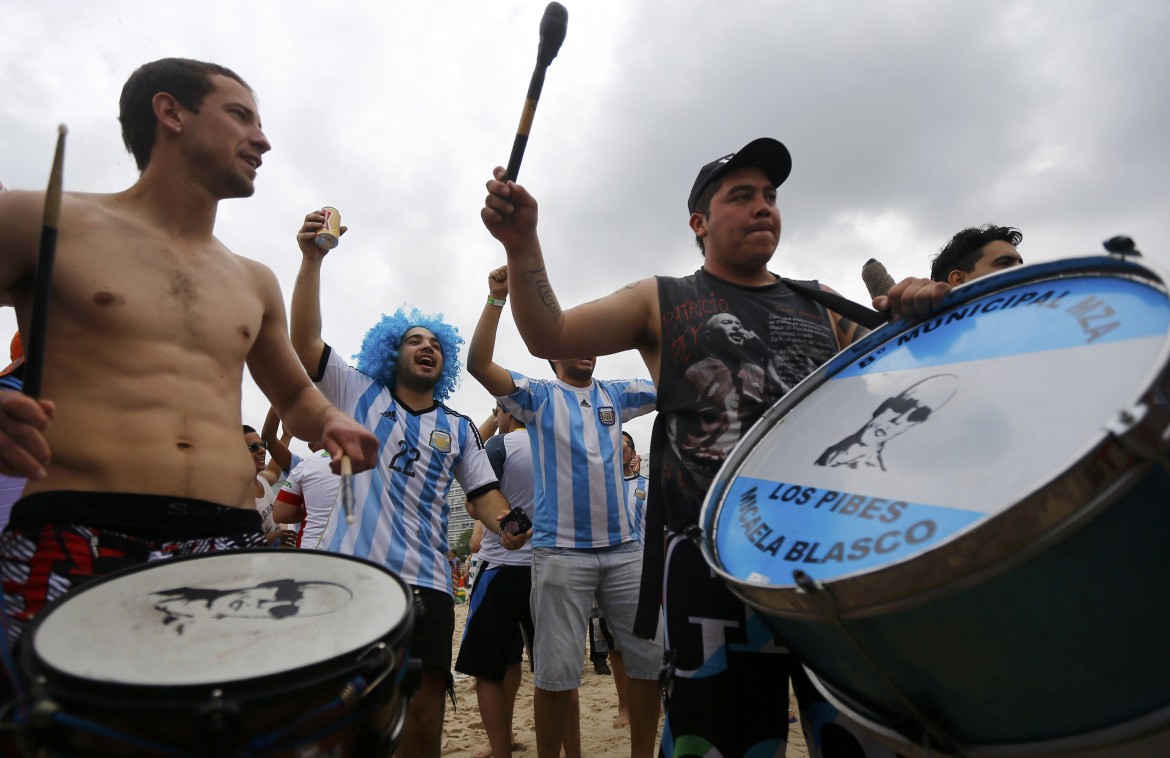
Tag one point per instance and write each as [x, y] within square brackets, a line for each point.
[141, 276]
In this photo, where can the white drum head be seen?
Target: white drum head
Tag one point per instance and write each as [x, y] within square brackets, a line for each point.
[939, 429]
[220, 618]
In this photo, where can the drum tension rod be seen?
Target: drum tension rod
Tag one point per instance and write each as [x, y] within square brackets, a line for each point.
[829, 610]
[217, 722]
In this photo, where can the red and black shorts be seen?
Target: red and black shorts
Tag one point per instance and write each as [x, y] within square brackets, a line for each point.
[56, 541]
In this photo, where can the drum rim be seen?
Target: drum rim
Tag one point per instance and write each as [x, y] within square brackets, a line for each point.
[1103, 742]
[71, 687]
[904, 583]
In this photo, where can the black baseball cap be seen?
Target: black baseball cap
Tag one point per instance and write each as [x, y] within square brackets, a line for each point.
[764, 153]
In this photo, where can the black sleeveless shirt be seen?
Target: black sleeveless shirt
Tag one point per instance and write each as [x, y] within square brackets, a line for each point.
[728, 353]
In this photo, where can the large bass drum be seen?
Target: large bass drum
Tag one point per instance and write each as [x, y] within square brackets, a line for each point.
[960, 525]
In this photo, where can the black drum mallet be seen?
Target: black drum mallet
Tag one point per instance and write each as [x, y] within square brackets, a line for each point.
[34, 341]
[553, 26]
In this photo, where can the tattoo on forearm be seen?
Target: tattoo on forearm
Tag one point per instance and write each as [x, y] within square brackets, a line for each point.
[615, 292]
[538, 279]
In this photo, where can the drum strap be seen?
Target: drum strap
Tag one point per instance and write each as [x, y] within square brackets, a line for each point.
[843, 306]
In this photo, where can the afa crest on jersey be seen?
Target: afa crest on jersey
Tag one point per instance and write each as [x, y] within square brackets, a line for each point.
[441, 441]
[606, 415]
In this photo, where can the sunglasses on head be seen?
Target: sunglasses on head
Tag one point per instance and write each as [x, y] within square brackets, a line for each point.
[255, 446]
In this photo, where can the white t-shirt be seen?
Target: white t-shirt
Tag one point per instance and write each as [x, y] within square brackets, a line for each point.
[312, 485]
[264, 505]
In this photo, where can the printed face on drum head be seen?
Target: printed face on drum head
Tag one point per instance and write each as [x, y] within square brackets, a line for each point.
[273, 600]
[894, 417]
[887, 425]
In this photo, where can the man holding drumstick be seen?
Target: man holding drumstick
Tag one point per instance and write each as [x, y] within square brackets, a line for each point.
[406, 369]
[718, 658]
[135, 453]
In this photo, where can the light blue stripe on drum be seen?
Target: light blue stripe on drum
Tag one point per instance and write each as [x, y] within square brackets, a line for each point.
[768, 529]
[1032, 318]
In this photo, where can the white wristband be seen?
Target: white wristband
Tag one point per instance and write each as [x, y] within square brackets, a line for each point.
[499, 303]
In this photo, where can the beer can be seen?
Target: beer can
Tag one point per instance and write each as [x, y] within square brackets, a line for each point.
[328, 237]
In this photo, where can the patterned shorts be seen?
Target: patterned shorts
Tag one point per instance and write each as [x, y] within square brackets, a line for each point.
[56, 541]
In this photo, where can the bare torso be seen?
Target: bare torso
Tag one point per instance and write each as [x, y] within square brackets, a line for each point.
[148, 335]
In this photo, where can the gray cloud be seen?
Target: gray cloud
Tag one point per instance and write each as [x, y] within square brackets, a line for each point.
[907, 121]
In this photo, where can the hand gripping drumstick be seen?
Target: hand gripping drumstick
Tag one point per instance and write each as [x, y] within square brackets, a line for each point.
[347, 488]
[553, 26]
[34, 346]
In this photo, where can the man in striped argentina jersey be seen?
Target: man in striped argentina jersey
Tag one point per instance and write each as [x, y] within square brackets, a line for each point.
[584, 534]
[406, 368]
[636, 484]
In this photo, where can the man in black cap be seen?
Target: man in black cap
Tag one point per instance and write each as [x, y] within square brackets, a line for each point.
[727, 677]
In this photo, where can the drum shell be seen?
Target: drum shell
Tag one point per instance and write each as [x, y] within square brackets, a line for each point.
[995, 662]
[1037, 632]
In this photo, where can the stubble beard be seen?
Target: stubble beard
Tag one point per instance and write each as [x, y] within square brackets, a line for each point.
[415, 383]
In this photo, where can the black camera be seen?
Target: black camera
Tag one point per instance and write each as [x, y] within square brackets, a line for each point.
[516, 522]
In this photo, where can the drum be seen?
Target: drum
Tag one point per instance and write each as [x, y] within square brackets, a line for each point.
[960, 525]
[258, 652]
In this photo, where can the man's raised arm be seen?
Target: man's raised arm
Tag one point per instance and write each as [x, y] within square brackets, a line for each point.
[304, 411]
[621, 321]
[480, 354]
[305, 319]
[277, 447]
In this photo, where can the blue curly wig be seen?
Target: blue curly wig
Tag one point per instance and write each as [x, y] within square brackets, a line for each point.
[379, 355]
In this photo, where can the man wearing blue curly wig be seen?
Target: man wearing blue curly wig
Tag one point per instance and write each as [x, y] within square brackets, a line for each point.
[407, 367]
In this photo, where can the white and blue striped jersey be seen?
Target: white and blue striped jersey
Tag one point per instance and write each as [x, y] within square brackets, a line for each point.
[576, 439]
[511, 459]
[400, 506]
[636, 488]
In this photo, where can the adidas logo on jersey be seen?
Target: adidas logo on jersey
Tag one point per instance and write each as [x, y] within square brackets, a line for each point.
[393, 416]
[585, 403]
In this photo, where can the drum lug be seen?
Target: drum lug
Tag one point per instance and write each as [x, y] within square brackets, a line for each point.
[383, 662]
[1127, 419]
[820, 595]
[217, 726]
[44, 708]
[1126, 431]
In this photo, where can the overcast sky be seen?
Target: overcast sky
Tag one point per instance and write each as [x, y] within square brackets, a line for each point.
[906, 121]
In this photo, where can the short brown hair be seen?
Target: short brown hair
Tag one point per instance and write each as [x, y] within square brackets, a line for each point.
[189, 81]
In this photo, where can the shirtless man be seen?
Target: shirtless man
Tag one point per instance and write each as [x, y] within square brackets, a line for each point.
[135, 452]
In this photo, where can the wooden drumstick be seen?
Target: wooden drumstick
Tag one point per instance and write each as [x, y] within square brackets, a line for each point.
[553, 25]
[34, 345]
[347, 488]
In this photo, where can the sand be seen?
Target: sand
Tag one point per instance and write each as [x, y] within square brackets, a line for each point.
[463, 734]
